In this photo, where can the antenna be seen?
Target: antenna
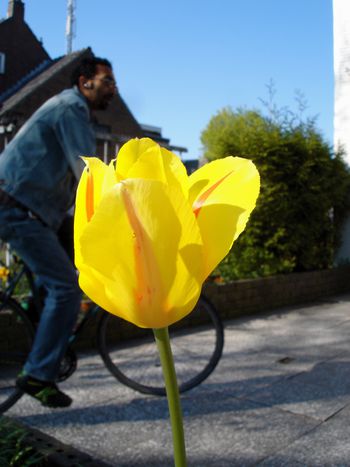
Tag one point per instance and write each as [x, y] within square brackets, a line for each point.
[70, 25]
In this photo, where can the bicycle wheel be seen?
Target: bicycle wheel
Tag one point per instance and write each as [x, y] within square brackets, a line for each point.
[196, 341]
[16, 337]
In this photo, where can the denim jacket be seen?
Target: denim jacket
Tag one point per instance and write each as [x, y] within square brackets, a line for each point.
[40, 167]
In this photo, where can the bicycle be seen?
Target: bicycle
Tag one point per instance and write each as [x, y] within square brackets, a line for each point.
[128, 352]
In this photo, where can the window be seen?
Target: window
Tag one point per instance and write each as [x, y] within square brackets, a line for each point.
[2, 63]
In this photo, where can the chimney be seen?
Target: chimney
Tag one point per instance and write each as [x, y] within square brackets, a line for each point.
[15, 10]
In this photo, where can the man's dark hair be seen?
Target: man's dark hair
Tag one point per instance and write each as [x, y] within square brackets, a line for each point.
[87, 68]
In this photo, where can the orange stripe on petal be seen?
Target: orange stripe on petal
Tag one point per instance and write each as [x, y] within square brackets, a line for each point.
[198, 204]
[89, 202]
[143, 291]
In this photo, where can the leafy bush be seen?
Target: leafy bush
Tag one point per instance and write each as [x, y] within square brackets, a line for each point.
[304, 192]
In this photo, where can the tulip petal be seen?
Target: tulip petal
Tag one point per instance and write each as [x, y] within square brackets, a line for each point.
[140, 240]
[129, 153]
[175, 171]
[96, 178]
[223, 193]
[143, 158]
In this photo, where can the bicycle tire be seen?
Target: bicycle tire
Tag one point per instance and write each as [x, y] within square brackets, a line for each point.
[197, 343]
[16, 337]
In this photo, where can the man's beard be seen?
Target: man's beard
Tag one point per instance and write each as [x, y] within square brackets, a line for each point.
[103, 103]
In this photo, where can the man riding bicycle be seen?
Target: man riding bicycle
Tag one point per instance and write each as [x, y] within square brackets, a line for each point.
[39, 171]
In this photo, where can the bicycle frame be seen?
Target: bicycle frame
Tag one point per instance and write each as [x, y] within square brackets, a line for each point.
[14, 279]
[81, 323]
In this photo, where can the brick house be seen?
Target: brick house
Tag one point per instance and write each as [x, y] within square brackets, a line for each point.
[29, 76]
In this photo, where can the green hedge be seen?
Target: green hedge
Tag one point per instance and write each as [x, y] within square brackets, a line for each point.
[297, 223]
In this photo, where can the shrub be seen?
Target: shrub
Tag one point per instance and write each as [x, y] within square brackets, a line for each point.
[296, 225]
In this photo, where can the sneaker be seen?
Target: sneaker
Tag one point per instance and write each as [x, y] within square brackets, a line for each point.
[45, 392]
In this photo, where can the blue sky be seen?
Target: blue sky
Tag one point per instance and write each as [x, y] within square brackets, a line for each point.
[178, 63]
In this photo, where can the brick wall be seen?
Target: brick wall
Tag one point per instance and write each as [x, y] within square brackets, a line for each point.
[244, 297]
[253, 295]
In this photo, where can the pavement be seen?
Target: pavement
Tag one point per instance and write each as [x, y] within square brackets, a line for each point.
[279, 397]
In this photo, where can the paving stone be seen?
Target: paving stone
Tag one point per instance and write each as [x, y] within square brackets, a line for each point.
[311, 400]
[328, 445]
[280, 396]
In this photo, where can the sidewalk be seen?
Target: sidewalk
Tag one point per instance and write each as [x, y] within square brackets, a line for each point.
[279, 397]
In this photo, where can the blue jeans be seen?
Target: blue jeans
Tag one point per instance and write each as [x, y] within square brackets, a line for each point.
[40, 249]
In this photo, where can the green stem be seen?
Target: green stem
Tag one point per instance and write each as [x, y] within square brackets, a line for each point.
[172, 391]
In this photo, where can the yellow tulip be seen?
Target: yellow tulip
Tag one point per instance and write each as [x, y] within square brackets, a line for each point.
[147, 235]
